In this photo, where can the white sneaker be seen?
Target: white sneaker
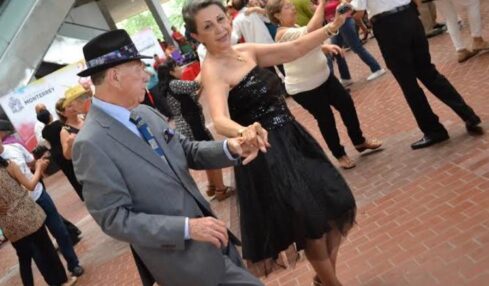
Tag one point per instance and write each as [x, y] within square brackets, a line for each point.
[376, 74]
[346, 82]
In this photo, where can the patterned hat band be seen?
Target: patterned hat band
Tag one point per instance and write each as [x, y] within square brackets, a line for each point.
[124, 53]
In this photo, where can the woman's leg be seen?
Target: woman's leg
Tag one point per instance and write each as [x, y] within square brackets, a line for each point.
[333, 242]
[216, 185]
[317, 103]
[58, 230]
[47, 259]
[214, 177]
[342, 101]
[350, 36]
[24, 250]
[318, 255]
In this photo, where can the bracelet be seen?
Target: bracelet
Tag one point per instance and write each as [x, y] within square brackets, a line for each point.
[328, 31]
[240, 132]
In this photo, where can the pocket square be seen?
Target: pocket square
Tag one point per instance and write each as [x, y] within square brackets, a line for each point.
[168, 134]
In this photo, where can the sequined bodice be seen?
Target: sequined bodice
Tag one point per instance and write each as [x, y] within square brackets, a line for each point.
[259, 97]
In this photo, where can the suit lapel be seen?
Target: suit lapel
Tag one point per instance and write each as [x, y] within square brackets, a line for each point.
[128, 139]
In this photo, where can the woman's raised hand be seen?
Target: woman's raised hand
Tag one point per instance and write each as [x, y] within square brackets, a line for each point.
[343, 11]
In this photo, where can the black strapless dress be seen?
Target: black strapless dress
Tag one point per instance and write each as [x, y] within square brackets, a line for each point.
[292, 192]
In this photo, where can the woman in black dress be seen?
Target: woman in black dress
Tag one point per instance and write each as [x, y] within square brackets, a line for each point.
[70, 112]
[52, 133]
[182, 98]
[291, 193]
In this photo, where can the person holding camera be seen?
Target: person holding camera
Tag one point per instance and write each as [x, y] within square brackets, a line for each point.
[314, 86]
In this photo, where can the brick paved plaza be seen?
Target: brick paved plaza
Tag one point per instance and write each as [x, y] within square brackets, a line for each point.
[423, 216]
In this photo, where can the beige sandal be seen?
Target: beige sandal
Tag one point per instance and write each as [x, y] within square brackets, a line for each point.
[371, 144]
[220, 195]
[346, 163]
[211, 191]
[225, 193]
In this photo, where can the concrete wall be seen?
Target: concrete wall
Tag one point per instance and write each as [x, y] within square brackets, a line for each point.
[84, 22]
[31, 41]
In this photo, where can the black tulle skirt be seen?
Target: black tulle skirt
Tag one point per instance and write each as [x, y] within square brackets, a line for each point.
[290, 194]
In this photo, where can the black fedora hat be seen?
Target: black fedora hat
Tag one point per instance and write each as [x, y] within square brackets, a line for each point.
[107, 50]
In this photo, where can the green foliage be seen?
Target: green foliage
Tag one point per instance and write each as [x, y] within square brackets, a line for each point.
[175, 13]
[173, 10]
[140, 22]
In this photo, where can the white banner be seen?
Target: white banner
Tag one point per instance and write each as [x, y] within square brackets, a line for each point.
[147, 45]
[19, 105]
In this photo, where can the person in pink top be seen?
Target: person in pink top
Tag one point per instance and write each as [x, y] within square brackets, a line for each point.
[348, 35]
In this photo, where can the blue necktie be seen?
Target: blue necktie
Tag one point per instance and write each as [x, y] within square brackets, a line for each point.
[147, 135]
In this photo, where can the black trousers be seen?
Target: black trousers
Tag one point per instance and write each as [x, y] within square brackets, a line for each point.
[38, 246]
[147, 278]
[405, 49]
[318, 101]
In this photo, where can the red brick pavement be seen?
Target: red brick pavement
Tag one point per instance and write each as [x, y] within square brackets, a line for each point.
[423, 215]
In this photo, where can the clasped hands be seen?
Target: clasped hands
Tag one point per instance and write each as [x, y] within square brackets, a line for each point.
[250, 141]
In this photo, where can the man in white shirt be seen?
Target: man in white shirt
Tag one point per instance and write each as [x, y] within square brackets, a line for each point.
[251, 27]
[22, 158]
[402, 41]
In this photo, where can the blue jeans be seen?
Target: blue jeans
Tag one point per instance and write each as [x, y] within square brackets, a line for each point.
[348, 34]
[58, 230]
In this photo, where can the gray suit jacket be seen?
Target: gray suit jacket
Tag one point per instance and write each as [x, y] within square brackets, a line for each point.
[137, 197]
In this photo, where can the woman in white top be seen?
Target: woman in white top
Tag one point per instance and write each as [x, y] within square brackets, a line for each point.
[314, 87]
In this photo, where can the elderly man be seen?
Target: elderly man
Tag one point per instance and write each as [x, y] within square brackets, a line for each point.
[136, 183]
[405, 49]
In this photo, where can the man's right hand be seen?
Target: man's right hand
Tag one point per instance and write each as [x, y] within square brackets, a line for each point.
[208, 229]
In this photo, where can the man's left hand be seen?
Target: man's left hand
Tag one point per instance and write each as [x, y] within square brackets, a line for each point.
[239, 147]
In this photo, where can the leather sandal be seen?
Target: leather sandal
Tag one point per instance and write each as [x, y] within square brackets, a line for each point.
[371, 144]
[346, 163]
[211, 191]
[316, 281]
[224, 193]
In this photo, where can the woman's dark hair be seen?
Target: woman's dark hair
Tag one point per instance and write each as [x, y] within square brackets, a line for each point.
[239, 4]
[164, 76]
[192, 7]
[3, 162]
[274, 7]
